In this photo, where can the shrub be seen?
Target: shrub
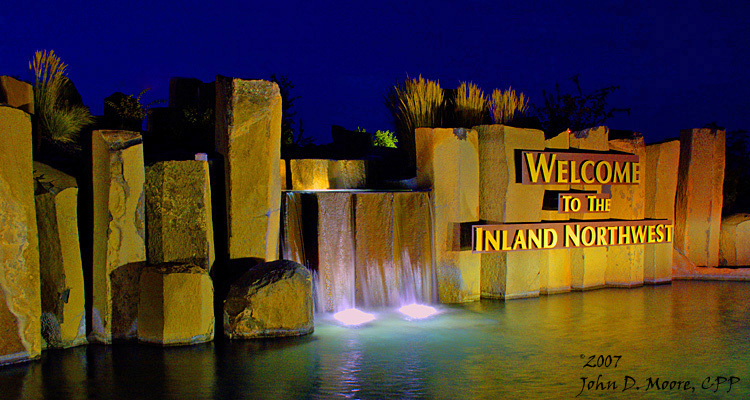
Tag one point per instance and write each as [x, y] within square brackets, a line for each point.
[130, 108]
[382, 138]
[413, 104]
[505, 106]
[57, 120]
[470, 105]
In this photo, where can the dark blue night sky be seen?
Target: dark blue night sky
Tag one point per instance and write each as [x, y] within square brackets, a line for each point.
[679, 66]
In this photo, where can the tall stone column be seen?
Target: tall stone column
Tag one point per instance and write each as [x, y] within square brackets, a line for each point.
[662, 164]
[588, 265]
[20, 304]
[625, 263]
[502, 199]
[248, 135]
[448, 163]
[700, 188]
[119, 233]
[63, 297]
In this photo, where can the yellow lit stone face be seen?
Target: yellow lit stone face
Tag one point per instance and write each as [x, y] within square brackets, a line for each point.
[248, 135]
[347, 174]
[63, 318]
[700, 195]
[119, 232]
[20, 311]
[270, 300]
[309, 174]
[625, 264]
[503, 199]
[178, 207]
[735, 236]
[176, 305]
[660, 177]
[448, 162]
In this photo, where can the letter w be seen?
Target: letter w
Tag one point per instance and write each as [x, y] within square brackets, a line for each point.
[541, 164]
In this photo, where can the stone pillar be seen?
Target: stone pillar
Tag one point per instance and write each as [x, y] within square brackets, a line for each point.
[735, 237]
[448, 162]
[662, 163]
[119, 233]
[554, 269]
[377, 280]
[412, 229]
[588, 265]
[20, 304]
[347, 174]
[502, 199]
[63, 296]
[700, 187]
[336, 250]
[625, 263]
[178, 210]
[248, 135]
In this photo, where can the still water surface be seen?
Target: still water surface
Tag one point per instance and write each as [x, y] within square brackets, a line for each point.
[535, 348]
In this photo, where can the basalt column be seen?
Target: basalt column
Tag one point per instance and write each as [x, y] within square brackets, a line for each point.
[700, 195]
[503, 199]
[588, 265]
[20, 311]
[119, 233]
[448, 163]
[662, 163]
[248, 135]
[625, 263]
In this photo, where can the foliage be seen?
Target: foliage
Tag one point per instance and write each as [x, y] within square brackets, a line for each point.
[576, 111]
[415, 103]
[130, 108]
[506, 106]
[57, 120]
[288, 135]
[470, 105]
[382, 138]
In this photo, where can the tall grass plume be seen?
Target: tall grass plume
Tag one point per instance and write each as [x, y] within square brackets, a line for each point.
[505, 106]
[470, 105]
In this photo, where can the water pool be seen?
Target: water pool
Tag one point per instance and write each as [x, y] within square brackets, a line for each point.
[535, 348]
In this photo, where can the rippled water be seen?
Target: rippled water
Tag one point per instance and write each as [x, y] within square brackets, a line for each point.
[534, 348]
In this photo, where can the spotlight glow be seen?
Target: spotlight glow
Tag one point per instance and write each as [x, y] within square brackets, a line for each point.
[417, 311]
[352, 316]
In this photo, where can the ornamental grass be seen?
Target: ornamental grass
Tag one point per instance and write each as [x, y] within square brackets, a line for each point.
[470, 105]
[505, 106]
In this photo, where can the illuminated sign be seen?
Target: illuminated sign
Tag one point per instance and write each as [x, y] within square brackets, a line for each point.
[545, 168]
[569, 234]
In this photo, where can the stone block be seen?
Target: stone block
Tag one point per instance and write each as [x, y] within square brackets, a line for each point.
[554, 271]
[176, 305]
[248, 135]
[448, 163]
[178, 213]
[20, 303]
[662, 163]
[18, 94]
[119, 233]
[588, 265]
[347, 174]
[336, 250]
[309, 174]
[625, 264]
[735, 241]
[699, 199]
[377, 278]
[62, 288]
[502, 199]
[412, 243]
[271, 300]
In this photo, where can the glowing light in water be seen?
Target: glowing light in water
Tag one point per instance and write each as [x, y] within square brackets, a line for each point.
[352, 316]
[417, 311]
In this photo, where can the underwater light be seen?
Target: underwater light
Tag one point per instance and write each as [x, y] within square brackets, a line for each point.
[417, 311]
[352, 316]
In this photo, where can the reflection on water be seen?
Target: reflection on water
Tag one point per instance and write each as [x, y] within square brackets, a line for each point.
[533, 348]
